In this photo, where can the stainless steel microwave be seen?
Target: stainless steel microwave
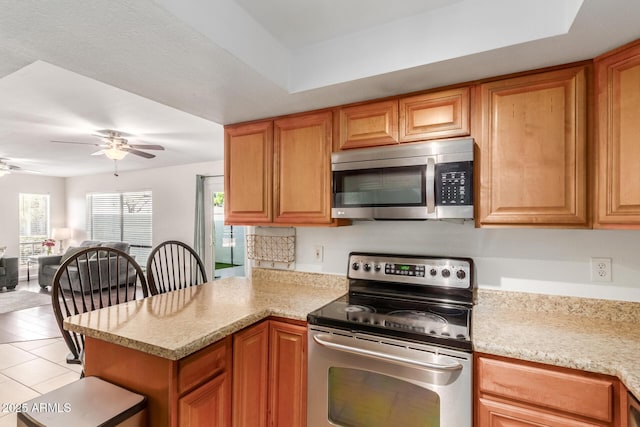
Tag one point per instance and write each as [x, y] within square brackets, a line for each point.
[427, 180]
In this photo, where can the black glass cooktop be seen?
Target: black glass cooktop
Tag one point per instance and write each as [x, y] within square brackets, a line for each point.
[422, 321]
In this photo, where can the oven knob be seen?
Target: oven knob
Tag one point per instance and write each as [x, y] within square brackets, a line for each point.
[433, 272]
[460, 274]
[460, 336]
[367, 267]
[355, 266]
[377, 267]
[446, 273]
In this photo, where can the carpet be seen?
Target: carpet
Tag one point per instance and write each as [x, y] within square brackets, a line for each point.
[19, 300]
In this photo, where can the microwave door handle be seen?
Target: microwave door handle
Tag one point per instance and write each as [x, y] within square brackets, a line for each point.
[431, 185]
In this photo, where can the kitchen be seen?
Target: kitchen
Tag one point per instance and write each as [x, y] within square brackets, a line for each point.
[536, 262]
[539, 261]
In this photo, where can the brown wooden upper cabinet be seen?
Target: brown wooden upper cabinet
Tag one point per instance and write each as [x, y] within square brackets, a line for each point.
[443, 114]
[278, 172]
[302, 180]
[248, 171]
[533, 140]
[618, 138]
[368, 125]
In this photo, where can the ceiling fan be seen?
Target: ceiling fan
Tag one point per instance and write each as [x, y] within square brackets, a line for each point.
[6, 168]
[115, 146]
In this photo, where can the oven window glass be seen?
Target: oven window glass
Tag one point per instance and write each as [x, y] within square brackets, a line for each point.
[360, 398]
[397, 186]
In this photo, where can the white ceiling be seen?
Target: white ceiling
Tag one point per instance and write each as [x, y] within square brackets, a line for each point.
[172, 71]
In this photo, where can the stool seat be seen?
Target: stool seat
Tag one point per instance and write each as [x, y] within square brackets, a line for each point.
[87, 402]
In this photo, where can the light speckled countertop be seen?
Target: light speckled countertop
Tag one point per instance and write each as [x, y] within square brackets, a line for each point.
[176, 324]
[591, 335]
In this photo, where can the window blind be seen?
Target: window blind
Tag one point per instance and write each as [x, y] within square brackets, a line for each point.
[123, 217]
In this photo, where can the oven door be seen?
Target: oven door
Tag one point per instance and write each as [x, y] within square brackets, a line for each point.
[359, 380]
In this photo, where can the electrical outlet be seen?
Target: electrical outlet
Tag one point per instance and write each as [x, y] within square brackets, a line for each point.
[318, 252]
[600, 269]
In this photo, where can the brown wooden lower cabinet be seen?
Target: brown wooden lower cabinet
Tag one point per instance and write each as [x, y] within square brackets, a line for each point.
[190, 392]
[207, 405]
[515, 393]
[270, 375]
[262, 369]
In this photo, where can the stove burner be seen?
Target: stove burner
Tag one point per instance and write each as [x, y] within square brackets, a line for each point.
[447, 311]
[358, 309]
[434, 319]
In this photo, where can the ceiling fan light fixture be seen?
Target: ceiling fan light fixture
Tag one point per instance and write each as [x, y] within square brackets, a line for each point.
[115, 154]
[4, 172]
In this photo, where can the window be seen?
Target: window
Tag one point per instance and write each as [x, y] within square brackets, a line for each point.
[123, 217]
[34, 224]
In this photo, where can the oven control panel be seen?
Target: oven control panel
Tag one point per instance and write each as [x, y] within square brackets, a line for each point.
[426, 271]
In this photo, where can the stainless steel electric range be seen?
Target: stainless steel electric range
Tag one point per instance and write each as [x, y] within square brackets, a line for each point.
[396, 350]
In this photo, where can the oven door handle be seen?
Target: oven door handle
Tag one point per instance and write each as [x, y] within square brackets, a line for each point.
[321, 340]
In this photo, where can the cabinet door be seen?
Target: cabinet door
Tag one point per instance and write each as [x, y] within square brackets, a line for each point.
[533, 150]
[250, 367]
[515, 393]
[207, 405]
[287, 375]
[248, 155]
[500, 414]
[302, 182]
[618, 152]
[435, 115]
[369, 125]
[574, 392]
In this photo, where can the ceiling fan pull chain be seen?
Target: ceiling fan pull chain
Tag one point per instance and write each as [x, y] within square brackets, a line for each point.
[115, 168]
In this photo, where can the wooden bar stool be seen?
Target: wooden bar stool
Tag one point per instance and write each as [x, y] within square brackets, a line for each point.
[88, 402]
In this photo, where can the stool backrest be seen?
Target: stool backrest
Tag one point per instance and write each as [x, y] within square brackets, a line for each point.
[174, 265]
[91, 279]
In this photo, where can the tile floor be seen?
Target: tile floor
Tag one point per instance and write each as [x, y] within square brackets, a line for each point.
[29, 368]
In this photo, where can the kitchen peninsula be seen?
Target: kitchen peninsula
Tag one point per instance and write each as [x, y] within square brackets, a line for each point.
[176, 348]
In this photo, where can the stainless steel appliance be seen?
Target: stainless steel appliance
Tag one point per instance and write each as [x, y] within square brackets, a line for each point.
[396, 350]
[429, 180]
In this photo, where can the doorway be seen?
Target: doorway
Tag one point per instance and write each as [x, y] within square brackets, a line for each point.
[225, 244]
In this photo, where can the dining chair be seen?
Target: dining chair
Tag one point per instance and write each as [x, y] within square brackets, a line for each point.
[91, 279]
[174, 265]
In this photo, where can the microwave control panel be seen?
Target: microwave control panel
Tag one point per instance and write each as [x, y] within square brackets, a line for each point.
[454, 184]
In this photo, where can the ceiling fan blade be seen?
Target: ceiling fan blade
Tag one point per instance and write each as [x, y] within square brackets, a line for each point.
[74, 142]
[138, 153]
[97, 153]
[146, 146]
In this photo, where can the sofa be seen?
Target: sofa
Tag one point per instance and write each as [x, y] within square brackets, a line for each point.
[48, 265]
[8, 272]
